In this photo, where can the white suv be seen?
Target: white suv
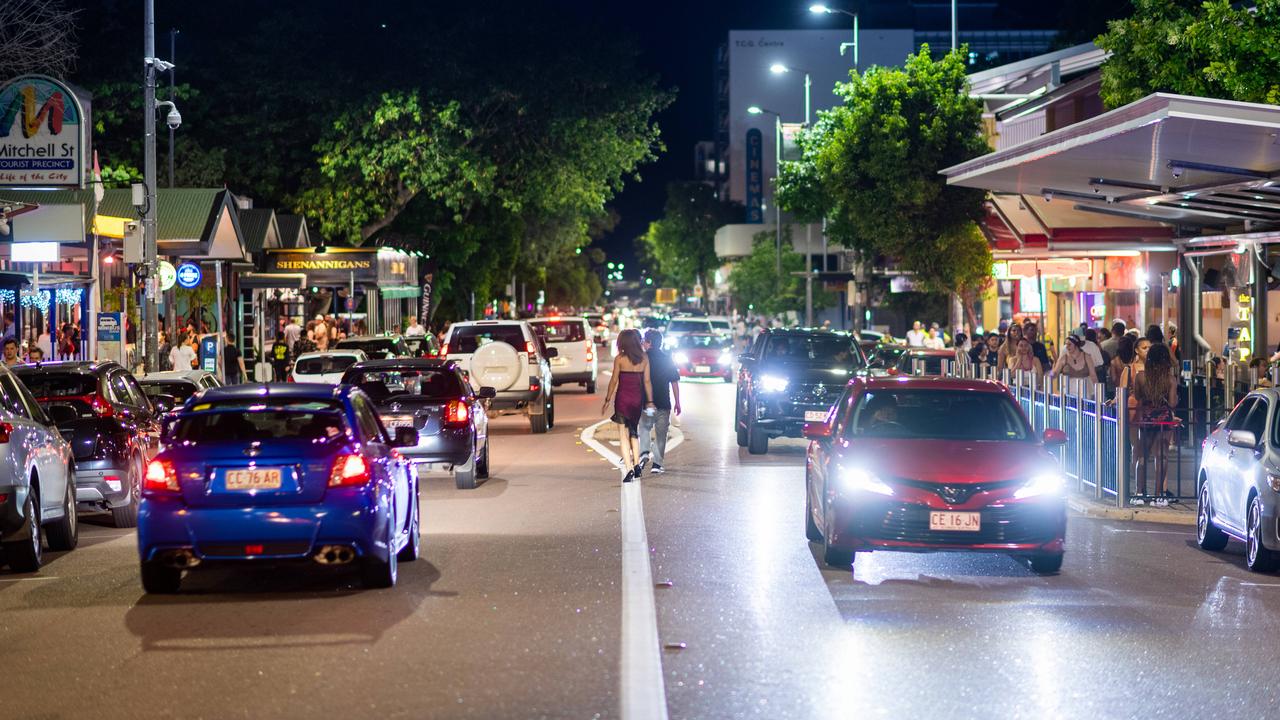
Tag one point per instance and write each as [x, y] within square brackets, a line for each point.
[508, 356]
[681, 326]
[575, 361]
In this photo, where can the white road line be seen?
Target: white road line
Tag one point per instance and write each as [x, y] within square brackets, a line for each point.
[1149, 532]
[642, 689]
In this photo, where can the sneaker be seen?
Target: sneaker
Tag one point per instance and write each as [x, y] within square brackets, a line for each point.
[1137, 501]
[644, 456]
[631, 475]
[657, 470]
[1161, 502]
[644, 461]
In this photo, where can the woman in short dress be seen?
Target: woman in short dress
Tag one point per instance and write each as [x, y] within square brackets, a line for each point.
[631, 392]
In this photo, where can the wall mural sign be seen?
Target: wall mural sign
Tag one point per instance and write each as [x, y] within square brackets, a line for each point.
[42, 134]
[755, 176]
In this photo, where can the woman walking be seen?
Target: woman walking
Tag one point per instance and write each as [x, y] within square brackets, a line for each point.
[631, 392]
[1155, 392]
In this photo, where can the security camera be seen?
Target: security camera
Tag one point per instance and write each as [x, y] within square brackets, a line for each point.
[1177, 172]
[1048, 195]
[173, 119]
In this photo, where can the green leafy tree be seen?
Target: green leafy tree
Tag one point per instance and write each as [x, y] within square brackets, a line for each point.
[755, 284]
[680, 247]
[1190, 47]
[871, 165]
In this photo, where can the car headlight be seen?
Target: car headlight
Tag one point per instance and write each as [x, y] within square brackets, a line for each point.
[772, 383]
[858, 479]
[681, 358]
[1049, 483]
[726, 358]
[1273, 481]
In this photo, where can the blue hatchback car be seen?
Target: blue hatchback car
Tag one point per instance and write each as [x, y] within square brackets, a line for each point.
[278, 472]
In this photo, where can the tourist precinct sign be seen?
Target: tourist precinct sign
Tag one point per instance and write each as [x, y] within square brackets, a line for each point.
[42, 134]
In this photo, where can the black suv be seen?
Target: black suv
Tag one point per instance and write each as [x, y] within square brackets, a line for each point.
[113, 428]
[788, 378]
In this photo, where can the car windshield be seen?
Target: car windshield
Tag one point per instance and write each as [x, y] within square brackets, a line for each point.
[714, 342]
[560, 332]
[825, 349]
[468, 338]
[889, 354]
[265, 424]
[688, 326]
[383, 384]
[937, 415]
[179, 389]
[378, 349]
[323, 364]
[47, 384]
[720, 324]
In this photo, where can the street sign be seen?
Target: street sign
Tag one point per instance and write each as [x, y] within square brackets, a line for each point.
[168, 275]
[188, 275]
[42, 141]
[665, 296]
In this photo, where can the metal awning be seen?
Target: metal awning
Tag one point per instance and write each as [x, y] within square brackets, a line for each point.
[273, 281]
[1186, 161]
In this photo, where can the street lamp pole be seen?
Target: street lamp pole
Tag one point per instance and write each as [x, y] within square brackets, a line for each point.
[953, 25]
[150, 315]
[830, 10]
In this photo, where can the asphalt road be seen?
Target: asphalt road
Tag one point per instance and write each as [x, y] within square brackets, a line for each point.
[515, 611]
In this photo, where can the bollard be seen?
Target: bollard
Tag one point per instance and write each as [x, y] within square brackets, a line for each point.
[1099, 398]
[947, 367]
[1079, 435]
[1122, 446]
[1034, 384]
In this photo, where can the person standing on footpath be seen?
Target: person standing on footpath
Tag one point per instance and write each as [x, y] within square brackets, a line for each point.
[666, 395]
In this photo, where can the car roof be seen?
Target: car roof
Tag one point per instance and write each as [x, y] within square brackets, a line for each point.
[557, 318]
[415, 363]
[368, 338]
[82, 367]
[806, 332]
[931, 382]
[333, 353]
[931, 352]
[280, 390]
[469, 323]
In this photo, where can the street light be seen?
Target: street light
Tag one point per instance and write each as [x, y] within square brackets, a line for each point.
[780, 69]
[823, 9]
[777, 172]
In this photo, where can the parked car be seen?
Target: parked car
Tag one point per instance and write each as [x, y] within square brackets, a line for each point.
[788, 378]
[925, 464]
[575, 360]
[704, 355]
[377, 347]
[508, 356]
[112, 425]
[433, 397]
[37, 480]
[180, 384]
[279, 472]
[599, 328]
[325, 366]
[1239, 479]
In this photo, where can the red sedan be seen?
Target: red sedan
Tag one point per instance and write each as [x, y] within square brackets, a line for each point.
[921, 464]
[704, 355]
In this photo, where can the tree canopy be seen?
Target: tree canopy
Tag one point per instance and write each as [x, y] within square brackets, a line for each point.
[870, 165]
[680, 247]
[1193, 47]
[755, 284]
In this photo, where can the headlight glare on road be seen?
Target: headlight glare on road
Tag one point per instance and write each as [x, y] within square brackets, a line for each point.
[1047, 483]
[680, 358]
[773, 383]
[859, 479]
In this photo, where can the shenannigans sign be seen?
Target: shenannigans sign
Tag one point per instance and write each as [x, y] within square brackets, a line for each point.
[41, 134]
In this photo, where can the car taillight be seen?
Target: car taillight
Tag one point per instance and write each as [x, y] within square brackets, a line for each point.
[160, 477]
[349, 470]
[456, 412]
[444, 349]
[534, 384]
[289, 378]
[590, 352]
[101, 407]
[5, 431]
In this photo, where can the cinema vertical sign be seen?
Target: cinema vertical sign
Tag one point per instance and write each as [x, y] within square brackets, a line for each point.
[42, 134]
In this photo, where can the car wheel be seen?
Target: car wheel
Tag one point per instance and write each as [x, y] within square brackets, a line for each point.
[728, 378]
[482, 465]
[838, 557]
[413, 548]
[126, 516]
[64, 534]
[538, 423]
[1046, 563]
[379, 573]
[26, 554]
[811, 530]
[464, 476]
[1208, 536]
[1256, 555]
[591, 387]
[757, 440]
[158, 579]
[551, 411]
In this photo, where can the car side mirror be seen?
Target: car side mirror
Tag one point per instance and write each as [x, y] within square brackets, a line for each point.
[406, 437]
[817, 431]
[163, 403]
[746, 358]
[1242, 439]
[1055, 437]
[487, 393]
[552, 352]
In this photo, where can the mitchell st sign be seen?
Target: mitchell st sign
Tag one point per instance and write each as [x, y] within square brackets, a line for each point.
[42, 129]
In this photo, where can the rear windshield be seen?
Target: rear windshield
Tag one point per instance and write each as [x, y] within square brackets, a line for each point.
[468, 338]
[937, 415]
[689, 326]
[383, 384]
[379, 349]
[266, 424]
[720, 324]
[703, 341]
[323, 364]
[830, 349]
[560, 332]
[178, 389]
[47, 384]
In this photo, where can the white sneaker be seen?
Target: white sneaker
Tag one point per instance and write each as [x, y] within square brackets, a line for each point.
[1137, 501]
[1161, 502]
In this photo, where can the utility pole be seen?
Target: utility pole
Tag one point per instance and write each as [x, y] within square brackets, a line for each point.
[173, 33]
[150, 319]
[953, 25]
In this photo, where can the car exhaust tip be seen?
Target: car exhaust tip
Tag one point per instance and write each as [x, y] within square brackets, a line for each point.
[335, 555]
[180, 559]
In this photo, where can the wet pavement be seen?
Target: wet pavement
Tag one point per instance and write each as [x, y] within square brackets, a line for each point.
[515, 611]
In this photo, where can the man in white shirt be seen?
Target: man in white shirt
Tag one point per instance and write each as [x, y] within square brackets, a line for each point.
[292, 332]
[916, 335]
[414, 329]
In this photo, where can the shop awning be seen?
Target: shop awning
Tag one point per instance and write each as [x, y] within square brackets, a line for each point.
[1184, 161]
[398, 293]
[273, 281]
[1028, 223]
